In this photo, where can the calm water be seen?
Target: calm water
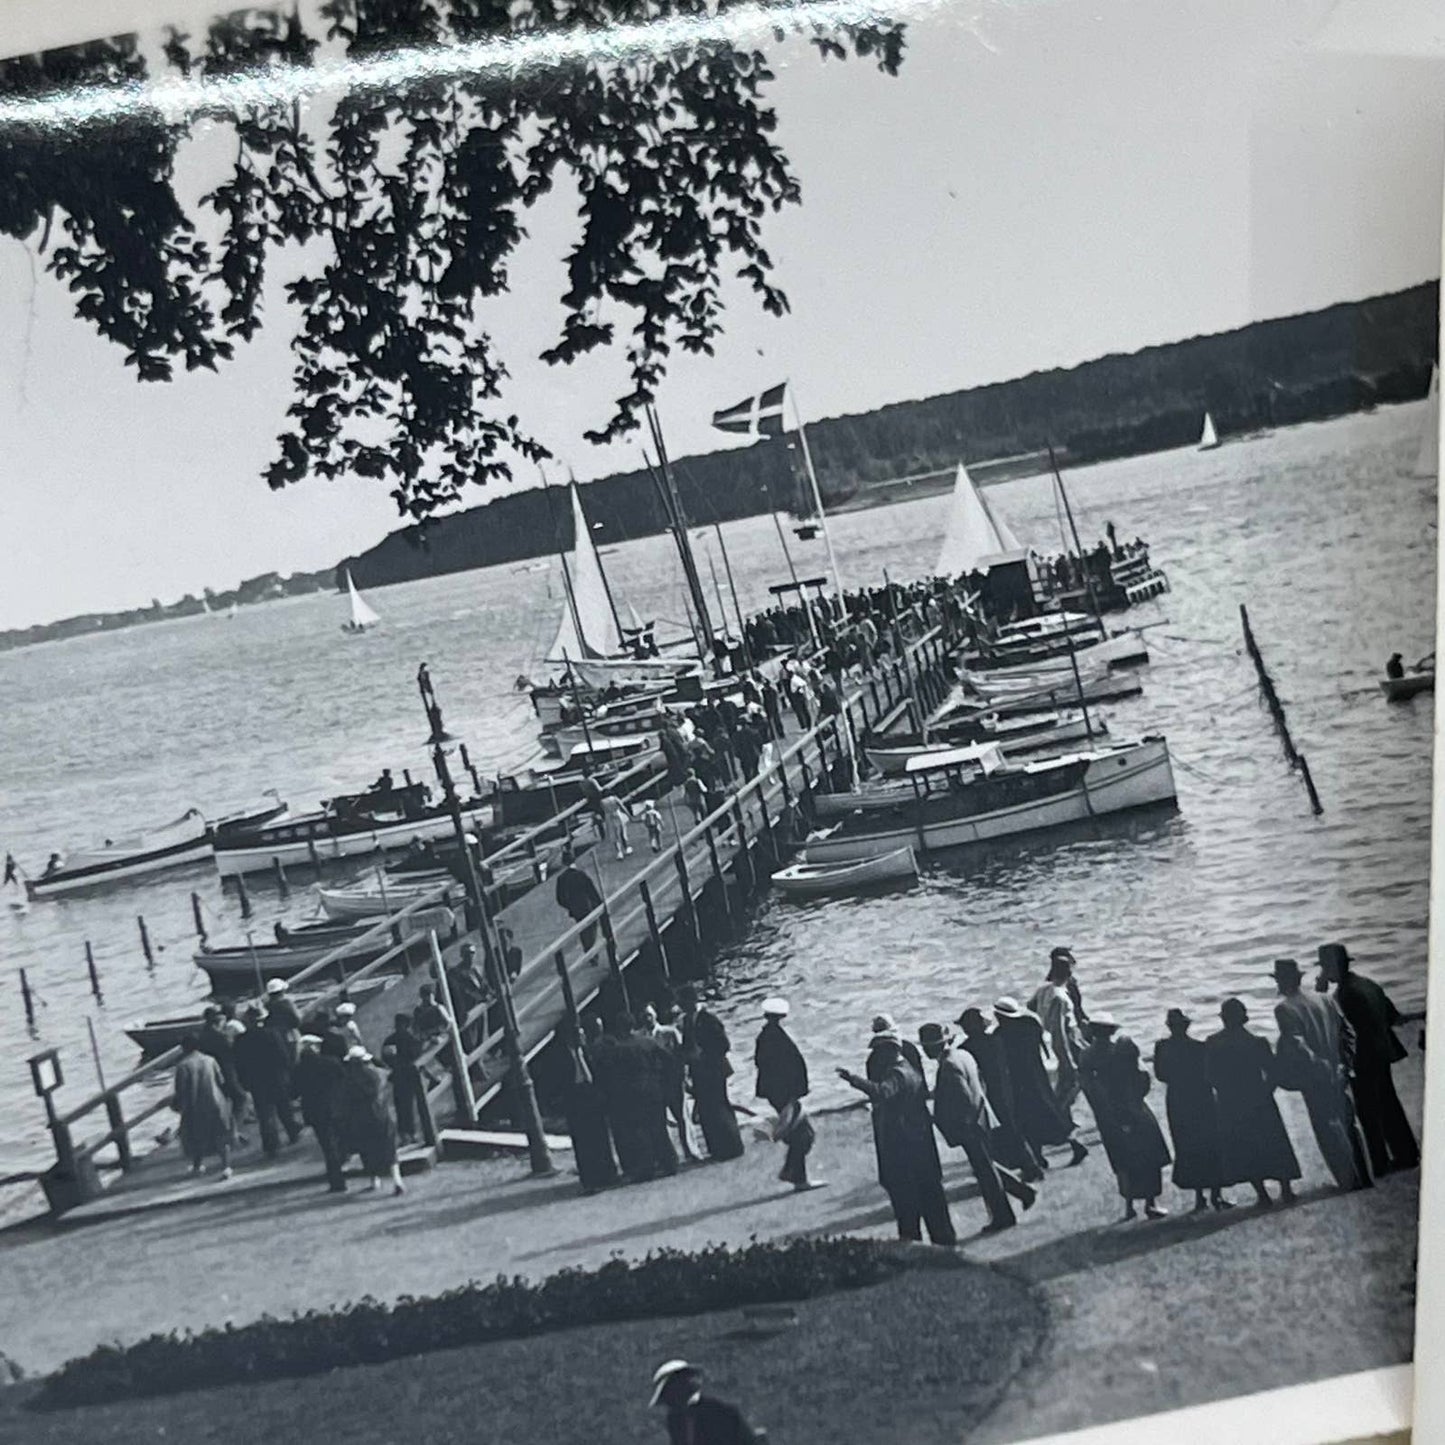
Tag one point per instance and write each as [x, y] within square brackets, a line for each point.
[1318, 529]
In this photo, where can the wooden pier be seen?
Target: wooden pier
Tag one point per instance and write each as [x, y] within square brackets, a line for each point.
[659, 910]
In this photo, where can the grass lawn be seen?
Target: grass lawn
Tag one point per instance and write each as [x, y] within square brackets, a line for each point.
[935, 1345]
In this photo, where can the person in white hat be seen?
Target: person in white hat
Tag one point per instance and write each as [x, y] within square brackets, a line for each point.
[367, 1125]
[783, 1082]
[347, 1026]
[283, 1016]
[696, 1418]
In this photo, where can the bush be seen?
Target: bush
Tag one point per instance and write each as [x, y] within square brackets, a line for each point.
[666, 1283]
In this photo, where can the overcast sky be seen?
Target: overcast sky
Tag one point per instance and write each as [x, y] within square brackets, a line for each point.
[1043, 183]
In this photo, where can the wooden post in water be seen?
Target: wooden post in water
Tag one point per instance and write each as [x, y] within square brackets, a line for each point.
[27, 998]
[245, 898]
[145, 942]
[1295, 758]
[315, 858]
[196, 915]
[654, 932]
[91, 970]
[282, 887]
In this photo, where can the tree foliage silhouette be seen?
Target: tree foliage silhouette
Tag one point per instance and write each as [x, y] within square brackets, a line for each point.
[405, 204]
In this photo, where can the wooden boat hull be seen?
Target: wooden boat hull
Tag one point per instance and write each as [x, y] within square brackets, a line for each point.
[891, 761]
[1137, 775]
[1123, 649]
[815, 880]
[328, 840]
[1401, 689]
[1051, 698]
[359, 903]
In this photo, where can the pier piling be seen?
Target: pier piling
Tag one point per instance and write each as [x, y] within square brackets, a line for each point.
[196, 915]
[1295, 758]
[91, 970]
[145, 941]
[27, 998]
[279, 871]
[242, 895]
[315, 858]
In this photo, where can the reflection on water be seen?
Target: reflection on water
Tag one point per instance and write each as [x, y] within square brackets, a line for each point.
[1318, 529]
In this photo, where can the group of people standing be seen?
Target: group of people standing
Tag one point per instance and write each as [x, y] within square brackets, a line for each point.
[264, 1067]
[1004, 1092]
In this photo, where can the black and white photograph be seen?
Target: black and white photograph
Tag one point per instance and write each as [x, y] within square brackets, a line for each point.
[715, 718]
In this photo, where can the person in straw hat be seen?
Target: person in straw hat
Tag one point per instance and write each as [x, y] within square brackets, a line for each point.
[962, 1115]
[783, 1082]
[694, 1418]
[1312, 1059]
[908, 1165]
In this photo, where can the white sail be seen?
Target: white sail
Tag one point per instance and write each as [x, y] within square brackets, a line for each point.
[971, 533]
[362, 616]
[598, 636]
[1208, 438]
[1427, 459]
[1007, 541]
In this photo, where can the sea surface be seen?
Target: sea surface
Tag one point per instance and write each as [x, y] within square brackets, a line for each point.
[1319, 529]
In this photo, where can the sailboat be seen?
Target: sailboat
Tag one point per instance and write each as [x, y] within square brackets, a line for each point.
[1427, 459]
[590, 640]
[362, 616]
[1208, 438]
[973, 532]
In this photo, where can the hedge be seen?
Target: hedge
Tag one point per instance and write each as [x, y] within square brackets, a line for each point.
[665, 1283]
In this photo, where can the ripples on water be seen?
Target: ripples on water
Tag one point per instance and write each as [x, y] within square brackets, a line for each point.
[1317, 529]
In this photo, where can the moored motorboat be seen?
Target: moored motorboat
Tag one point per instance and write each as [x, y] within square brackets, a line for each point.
[813, 880]
[185, 840]
[1051, 696]
[976, 795]
[1015, 737]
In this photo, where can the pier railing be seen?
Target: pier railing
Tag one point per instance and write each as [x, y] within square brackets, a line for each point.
[409, 930]
[562, 976]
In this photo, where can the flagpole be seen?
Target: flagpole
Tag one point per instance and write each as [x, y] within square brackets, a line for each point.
[817, 495]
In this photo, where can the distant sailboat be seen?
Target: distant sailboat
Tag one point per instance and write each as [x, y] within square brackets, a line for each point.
[1427, 459]
[1208, 438]
[362, 616]
[972, 533]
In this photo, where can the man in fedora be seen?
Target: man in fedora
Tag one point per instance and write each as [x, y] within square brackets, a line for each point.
[1054, 1004]
[694, 1418]
[908, 1165]
[962, 1115]
[1312, 1059]
[1373, 1017]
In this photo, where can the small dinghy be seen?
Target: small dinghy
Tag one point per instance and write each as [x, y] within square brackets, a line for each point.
[1399, 689]
[815, 880]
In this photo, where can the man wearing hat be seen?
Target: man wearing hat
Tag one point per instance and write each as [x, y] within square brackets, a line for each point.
[908, 1165]
[1372, 1015]
[1009, 1146]
[1181, 1064]
[783, 1082]
[1312, 1059]
[694, 1418]
[320, 1084]
[1054, 1005]
[1036, 1108]
[263, 1064]
[963, 1117]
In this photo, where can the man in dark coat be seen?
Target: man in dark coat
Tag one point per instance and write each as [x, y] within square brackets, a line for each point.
[1371, 1013]
[1254, 1146]
[1312, 1057]
[963, 1117]
[694, 1418]
[908, 1165]
[319, 1079]
[400, 1051]
[1010, 1147]
[1182, 1066]
[263, 1063]
[783, 1082]
[586, 1115]
[212, 1040]
[705, 1050]
[578, 896]
[650, 1067]
[1035, 1107]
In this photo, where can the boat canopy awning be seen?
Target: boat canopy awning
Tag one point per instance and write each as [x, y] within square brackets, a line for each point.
[986, 755]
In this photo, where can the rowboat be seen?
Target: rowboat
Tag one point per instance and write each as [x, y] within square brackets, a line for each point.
[975, 796]
[1399, 689]
[184, 840]
[812, 880]
[1047, 696]
[377, 899]
[891, 755]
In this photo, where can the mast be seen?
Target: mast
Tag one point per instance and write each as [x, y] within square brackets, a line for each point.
[580, 519]
[684, 547]
[732, 587]
[566, 574]
[672, 527]
[817, 495]
[793, 573]
[1068, 635]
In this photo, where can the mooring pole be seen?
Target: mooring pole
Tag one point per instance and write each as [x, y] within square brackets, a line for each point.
[1296, 759]
[145, 942]
[196, 915]
[91, 970]
[27, 998]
